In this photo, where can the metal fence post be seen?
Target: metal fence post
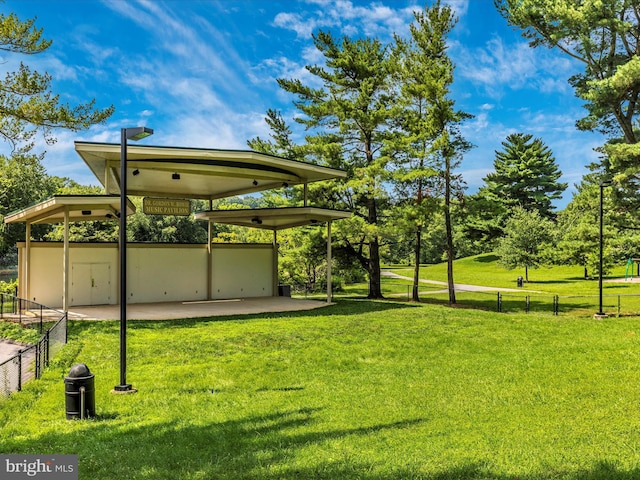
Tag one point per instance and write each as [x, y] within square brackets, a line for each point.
[47, 349]
[499, 302]
[556, 304]
[528, 304]
[37, 350]
[618, 305]
[20, 370]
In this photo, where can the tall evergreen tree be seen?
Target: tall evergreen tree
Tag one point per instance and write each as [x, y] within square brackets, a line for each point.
[349, 116]
[443, 119]
[526, 175]
[429, 142]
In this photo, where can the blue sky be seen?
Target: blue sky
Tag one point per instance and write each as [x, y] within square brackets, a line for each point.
[202, 73]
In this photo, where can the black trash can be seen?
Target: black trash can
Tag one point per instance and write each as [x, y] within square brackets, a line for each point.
[520, 282]
[80, 393]
[284, 290]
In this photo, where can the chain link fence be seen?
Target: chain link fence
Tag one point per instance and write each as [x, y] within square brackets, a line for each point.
[30, 361]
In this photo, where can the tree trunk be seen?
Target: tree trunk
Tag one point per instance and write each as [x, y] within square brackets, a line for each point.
[586, 274]
[449, 232]
[450, 282]
[375, 288]
[416, 268]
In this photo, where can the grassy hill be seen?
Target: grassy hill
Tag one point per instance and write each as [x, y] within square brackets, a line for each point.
[574, 294]
[485, 270]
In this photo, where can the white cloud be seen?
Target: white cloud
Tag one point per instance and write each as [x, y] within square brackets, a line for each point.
[474, 177]
[377, 19]
[295, 22]
[459, 7]
[498, 67]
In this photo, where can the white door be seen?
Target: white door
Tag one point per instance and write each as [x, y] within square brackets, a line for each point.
[90, 284]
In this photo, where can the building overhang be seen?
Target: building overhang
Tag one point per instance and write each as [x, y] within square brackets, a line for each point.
[79, 208]
[273, 218]
[197, 173]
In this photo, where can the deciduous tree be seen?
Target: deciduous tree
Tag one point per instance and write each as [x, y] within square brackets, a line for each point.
[527, 235]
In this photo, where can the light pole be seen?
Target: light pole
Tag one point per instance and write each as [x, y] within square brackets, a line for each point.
[603, 183]
[136, 133]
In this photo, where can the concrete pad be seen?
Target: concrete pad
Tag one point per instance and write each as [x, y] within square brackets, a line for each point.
[213, 308]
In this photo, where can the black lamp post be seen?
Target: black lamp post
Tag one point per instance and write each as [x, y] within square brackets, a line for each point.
[603, 183]
[136, 133]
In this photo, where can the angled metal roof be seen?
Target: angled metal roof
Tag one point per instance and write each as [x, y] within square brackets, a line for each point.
[273, 218]
[80, 208]
[196, 172]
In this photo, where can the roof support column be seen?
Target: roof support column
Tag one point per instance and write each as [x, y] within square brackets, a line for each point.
[26, 289]
[209, 255]
[65, 259]
[107, 178]
[275, 267]
[329, 286]
[209, 260]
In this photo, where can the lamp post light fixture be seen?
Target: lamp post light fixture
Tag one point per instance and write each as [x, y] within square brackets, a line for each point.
[135, 134]
[603, 183]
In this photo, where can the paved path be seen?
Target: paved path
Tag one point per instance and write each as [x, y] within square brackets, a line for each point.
[9, 349]
[461, 287]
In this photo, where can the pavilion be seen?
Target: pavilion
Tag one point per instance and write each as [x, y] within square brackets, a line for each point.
[167, 177]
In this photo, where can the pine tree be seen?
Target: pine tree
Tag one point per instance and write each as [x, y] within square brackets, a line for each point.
[26, 103]
[349, 115]
[526, 175]
[432, 122]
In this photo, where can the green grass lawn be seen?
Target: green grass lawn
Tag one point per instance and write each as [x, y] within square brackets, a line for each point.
[485, 270]
[577, 296]
[358, 390]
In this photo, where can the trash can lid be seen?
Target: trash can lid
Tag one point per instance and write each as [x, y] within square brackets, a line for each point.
[79, 370]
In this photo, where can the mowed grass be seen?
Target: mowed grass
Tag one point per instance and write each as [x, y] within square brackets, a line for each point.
[576, 295]
[357, 390]
[561, 280]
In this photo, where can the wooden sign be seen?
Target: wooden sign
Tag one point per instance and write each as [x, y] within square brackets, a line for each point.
[166, 206]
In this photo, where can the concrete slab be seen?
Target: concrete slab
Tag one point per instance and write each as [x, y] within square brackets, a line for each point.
[213, 308]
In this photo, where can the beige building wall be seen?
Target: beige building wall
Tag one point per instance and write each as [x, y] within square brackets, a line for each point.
[242, 271]
[166, 273]
[156, 272]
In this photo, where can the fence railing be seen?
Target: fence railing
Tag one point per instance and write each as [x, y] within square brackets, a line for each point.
[510, 301]
[30, 361]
